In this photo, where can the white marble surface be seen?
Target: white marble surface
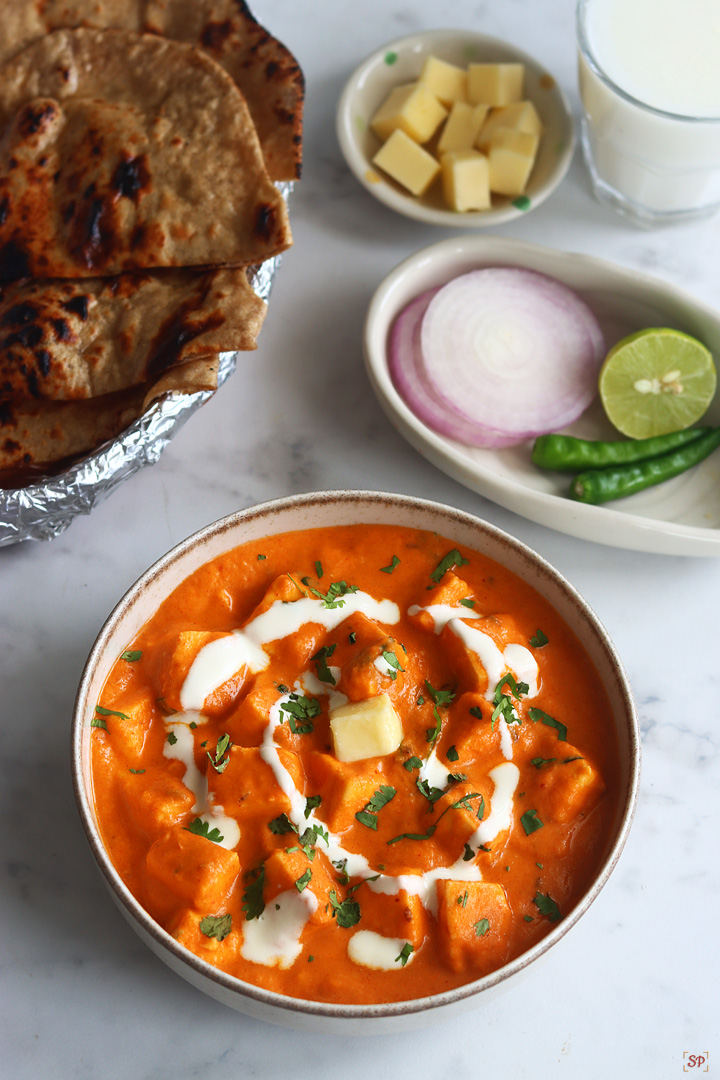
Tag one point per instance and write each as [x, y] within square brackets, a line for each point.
[630, 989]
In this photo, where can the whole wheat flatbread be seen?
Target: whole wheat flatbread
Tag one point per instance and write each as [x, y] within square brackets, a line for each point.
[266, 72]
[123, 152]
[69, 340]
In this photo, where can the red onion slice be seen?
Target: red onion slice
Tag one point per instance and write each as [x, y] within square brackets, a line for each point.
[406, 371]
[510, 351]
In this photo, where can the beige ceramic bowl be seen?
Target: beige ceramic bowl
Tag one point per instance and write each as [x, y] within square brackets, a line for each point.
[399, 62]
[329, 509]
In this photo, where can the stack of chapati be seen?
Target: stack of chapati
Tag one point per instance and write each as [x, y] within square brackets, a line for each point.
[139, 142]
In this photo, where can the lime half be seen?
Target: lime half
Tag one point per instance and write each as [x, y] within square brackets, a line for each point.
[656, 381]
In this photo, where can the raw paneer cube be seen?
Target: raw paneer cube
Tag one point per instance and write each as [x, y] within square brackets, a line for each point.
[346, 788]
[465, 180]
[287, 870]
[474, 922]
[193, 868]
[566, 787]
[412, 109]
[495, 84]
[461, 127]
[398, 915]
[365, 729]
[407, 163]
[511, 156]
[446, 81]
[157, 800]
[520, 116]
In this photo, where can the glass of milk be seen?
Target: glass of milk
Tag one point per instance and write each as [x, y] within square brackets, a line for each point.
[649, 75]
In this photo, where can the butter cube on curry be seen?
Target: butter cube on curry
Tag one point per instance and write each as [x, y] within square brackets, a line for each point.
[407, 163]
[413, 109]
[365, 729]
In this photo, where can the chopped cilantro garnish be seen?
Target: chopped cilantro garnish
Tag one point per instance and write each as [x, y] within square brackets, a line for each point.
[252, 899]
[538, 640]
[538, 762]
[318, 569]
[352, 638]
[453, 558]
[481, 927]
[405, 953]
[393, 563]
[333, 597]
[468, 854]
[321, 658]
[381, 797]
[440, 697]
[111, 712]
[392, 662]
[480, 809]
[202, 828]
[549, 721]
[503, 702]
[367, 819]
[311, 803]
[341, 867]
[528, 918]
[281, 825]
[456, 777]
[426, 835]
[547, 906]
[531, 822]
[221, 758]
[260, 558]
[137, 772]
[476, 711]
[301, 710]
[304, 881]
[217, 926]
[421, 700]
[432, 794]
[452, 754]
[347, 913]
[164, 707]
[131, 655]
[412, 763]
[462, 900]
[171, 738]
[578, 757]
[97, 721]
[283, 688]
[467, 602]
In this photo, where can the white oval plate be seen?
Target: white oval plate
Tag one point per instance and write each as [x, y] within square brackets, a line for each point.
[399, 62]
[679, 517]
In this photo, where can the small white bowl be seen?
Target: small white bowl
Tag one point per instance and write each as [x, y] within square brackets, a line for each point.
[400, 61]
[327, 509]
[679, 517]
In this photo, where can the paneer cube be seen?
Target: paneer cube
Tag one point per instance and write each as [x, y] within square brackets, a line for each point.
[566, 787]
[284, 588]
[288, 870]
[398, 915]
[455, 827]
[179, 656]
[465, 650]
[495, 84]
[377, 669]
[474, 922]
[520, 116]
[128, 732]
[346, 788]
[210, 935]
[471, 734]
[407, 163]
[365, 729]
[411, 108]
[446, 81]
[246, 724]
[511, 157]
[193, 868]
[157, 800]
[465, 180]
[462, 127]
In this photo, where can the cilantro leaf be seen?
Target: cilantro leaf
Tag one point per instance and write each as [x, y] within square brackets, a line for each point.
[352, 638]
[202, 828]
[538, 640]
[440, 697]
[131, 655]
[453, 558]
[578, 757]
[393, 563]
[111, 712]
[221, 758]
[452, 754]
[467, 602]
[97, 721]
[304, 881]
[405, 953]
[300, 711]
[171, 738]
[481, 927]
[432, 734]
[253, 903]
[412, 763]
[261, 558]
[476, 711]
[381, 798]
[468, 854]
[392, 662]
[321, 658]
[531, 822]
[547, 906]
[538, 762]
[480, 809]
[456, 777]
[217, 926]
[281, 825]
[367, 819]
[137, 772]
[333, 597]
[318, 569]
[549, 721]
[432, 794]
[311, 803]
[347, 913]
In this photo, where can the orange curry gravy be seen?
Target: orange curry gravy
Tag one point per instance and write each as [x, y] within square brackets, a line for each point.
[226, 810]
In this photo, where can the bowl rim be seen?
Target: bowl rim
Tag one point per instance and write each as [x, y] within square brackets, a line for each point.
[408, 205]
[143, 923]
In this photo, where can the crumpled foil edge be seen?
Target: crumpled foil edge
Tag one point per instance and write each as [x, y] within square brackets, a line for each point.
[44, 510]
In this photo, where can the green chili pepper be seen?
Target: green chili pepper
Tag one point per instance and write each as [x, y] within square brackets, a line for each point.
[602, 485]
[565, 453]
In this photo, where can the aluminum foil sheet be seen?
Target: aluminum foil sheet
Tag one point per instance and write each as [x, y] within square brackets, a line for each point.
[42, 511]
